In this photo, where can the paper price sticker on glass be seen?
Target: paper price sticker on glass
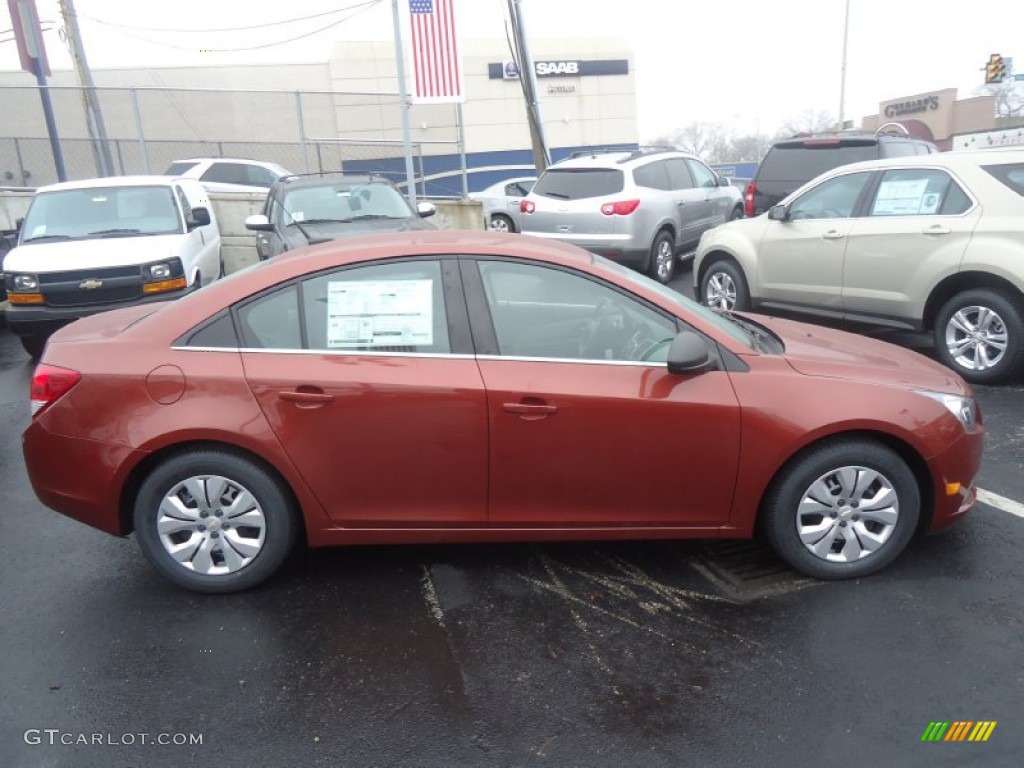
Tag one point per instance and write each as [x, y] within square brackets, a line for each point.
[380, 313]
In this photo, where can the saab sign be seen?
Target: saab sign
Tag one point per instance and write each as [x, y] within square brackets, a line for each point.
[508, 70]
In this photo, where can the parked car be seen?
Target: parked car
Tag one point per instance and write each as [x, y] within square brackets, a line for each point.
[99, 244]
[501, 202]
[229, 174]
[932, 243]
[791, 163]
[305, 210]
[474, 386]
[642, 208]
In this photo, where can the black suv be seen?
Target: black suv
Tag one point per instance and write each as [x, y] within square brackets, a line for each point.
[791, 163]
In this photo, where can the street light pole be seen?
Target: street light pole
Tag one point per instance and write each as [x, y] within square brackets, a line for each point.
[842, 79]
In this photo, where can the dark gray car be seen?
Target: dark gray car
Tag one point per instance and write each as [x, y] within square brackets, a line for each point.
[305, 210]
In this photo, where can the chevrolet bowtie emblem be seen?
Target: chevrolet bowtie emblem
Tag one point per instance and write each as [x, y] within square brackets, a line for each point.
[90, 284]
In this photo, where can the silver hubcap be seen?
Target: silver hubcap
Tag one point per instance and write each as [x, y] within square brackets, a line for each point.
[663, 259]
[211, 525]
[976, 338]
[847, 514]
[499, 224]
[720, 292]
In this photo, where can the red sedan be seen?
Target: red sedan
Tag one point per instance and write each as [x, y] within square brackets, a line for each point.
[459, 387]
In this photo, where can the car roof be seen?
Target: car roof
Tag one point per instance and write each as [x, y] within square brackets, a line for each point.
[250, 161]
[610, 159]
[952, 160]
[113, 181]
[327, 179]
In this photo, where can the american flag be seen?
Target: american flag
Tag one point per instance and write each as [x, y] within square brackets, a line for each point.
[435, 51]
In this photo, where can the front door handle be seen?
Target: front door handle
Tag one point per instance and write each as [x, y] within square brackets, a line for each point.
[833, 234]
[531, 409]
[937, 229]
[306, 397]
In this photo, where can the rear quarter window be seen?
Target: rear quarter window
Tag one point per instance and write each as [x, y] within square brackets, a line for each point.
[802, 162]
[579, 183]
[1011, 174]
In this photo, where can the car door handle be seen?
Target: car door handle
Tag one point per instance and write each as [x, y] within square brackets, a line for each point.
[833, 234]
[530, 411]
[937, 229]
[306, 397]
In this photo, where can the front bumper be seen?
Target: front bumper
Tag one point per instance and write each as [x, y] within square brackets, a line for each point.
[954, 474]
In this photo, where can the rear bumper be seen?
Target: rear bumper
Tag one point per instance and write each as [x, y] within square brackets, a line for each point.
[954, 474]
[620, 248]
[44, 320]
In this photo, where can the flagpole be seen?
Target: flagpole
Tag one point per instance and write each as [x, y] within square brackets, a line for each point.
[403, 95]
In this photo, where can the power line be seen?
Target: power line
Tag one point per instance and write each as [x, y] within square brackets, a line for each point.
[219, 29]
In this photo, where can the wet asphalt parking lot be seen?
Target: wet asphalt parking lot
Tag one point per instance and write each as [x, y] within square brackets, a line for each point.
[627, 654]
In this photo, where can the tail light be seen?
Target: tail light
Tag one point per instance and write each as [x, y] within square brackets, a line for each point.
[748, 198]
[620, 208]
[50, 384]
[527, 206]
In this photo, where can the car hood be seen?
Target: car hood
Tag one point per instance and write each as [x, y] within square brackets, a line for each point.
[93, 253]
[816, 351]
[336, 230]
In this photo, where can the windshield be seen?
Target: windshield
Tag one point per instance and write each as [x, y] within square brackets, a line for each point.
[80, 214]
[684, 305]
[345, 202]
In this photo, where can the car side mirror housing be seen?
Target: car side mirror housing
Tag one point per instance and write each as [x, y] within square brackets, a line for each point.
[258, 223]
[778, 213]
[426, 209]
[200, 218]
[724, 181]
[689, 354]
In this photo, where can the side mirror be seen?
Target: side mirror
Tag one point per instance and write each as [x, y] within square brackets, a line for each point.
[258, 223]
[724, 181]
[778, 213]
[426, 209]
[200, 218]
[689, 354]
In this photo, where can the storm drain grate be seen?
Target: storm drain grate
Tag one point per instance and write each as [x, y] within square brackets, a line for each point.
[747, 570]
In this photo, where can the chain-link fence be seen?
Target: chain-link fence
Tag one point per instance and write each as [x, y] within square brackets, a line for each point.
[149, 128]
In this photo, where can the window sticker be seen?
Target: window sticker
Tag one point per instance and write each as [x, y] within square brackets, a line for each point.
[903, 198]
[380, 313]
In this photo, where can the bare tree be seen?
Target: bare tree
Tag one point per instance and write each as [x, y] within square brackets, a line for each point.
[1009, 96]
[708, 141]
[809, 121]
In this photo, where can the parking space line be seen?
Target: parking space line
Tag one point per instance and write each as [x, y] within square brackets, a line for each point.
[1001, 502]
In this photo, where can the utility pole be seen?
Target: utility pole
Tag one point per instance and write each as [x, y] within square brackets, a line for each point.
[93, 116]
[403, 95]
[528, 80]
[842, 79]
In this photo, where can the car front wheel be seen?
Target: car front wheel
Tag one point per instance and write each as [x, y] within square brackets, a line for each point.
[980, 335]
[213, 521]
[843, 509]
[724, 287]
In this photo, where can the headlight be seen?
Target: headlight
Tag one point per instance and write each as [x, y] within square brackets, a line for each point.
[963, 408]
[26, 283]
[158, 272]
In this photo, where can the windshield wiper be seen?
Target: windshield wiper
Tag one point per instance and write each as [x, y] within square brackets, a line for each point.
[323, 221]
[114, 232]
[366, 216]
[559, 195]
[47, 237]
[762, 339]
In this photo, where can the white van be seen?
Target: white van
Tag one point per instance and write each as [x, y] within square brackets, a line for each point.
[99, 244]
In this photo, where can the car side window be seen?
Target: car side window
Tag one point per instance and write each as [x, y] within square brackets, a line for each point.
[679, 176]
[397, 307]
[260, 177]
[832, 199]
[918, 192]
[517, 189]
[272, 321]
[542, 312]
[653, 176]
[702, 174]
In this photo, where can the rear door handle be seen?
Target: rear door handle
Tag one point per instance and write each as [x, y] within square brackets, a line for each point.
[306, 397]
[833, 234]
[938, 229]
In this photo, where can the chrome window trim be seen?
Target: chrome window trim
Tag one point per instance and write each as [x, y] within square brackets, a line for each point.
[573, 360]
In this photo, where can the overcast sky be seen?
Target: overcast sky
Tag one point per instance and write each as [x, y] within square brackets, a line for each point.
[750, 64]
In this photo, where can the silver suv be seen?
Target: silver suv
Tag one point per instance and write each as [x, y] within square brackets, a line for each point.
[640, 207]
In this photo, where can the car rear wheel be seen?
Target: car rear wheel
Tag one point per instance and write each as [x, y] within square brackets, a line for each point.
[213, 521]
[663, 258]
[34, 345]
[502, 223]
[724, 287]
[980, 335]
[842, 510]
[737, 213]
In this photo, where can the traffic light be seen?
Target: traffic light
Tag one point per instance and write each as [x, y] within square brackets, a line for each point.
[995, 69]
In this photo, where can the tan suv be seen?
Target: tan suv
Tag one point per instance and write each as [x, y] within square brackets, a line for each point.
[932, 243]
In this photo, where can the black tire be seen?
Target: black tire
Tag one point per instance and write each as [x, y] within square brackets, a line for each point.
[269, 499]
[724, 286]
[34, 345]
[502, 223]
[980, 362]
[843, 526]
[737, 213]
[661, 264]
